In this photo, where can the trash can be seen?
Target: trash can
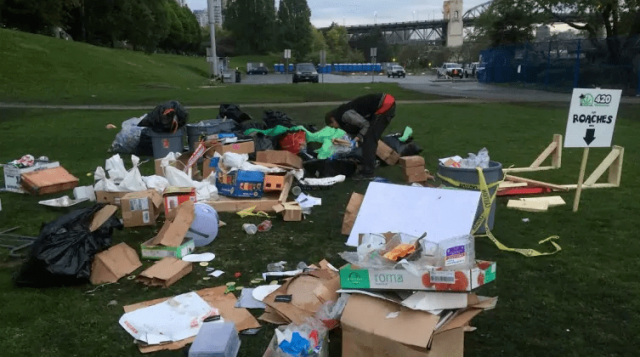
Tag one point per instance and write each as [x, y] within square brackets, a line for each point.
[207, 127]
[492, 174]
[164, 143]
[238, 76]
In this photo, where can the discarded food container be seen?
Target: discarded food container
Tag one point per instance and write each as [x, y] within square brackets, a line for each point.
[468, 179]
[165, 143]
[250, 228]
[216, 339]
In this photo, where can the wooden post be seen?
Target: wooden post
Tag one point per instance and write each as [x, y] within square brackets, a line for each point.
[583, 168]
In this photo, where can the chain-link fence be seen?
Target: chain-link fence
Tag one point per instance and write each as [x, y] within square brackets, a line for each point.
[560, 65]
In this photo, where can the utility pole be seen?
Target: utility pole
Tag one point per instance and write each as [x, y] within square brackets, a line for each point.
[212, 30]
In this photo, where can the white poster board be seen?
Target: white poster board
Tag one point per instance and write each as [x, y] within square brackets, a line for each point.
[442, 213]
[592, 118]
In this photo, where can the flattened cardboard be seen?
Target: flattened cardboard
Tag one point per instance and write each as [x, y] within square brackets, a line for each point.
[13, 175]
[280, 157]
[351, 212]
[102, 216]
[141, 208]
[414, 170]
[176, 226]
[418, 177]
[47, 181]
[225, 303]
[112, 198]
[271, 316]
[114, 263]
[411, 161]
[165, 272]
[309, 291]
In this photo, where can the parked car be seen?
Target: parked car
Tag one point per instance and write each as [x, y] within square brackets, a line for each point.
[257, 68]
[396, 71]
[450, 70]
[471, 70]
[305, 72]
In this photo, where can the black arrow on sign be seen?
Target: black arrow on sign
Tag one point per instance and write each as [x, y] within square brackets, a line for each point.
[590, 136]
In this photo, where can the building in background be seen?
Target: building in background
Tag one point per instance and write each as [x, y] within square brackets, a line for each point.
[203, 15]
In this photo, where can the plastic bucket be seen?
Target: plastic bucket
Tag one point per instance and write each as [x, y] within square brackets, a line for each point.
[207, 127]
[492, 174]
[164, 143]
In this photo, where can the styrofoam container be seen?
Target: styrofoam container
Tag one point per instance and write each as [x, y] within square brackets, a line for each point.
[216, 339]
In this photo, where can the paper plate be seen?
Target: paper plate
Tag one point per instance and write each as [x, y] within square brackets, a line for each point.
[261, 292]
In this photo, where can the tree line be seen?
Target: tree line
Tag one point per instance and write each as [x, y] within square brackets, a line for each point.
[149, 25]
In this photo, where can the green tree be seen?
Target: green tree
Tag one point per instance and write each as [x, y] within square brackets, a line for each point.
[252, 23]
[338, 43]
[176, 35]
[38, 16]
[507, 22]
[318, 43]
[294, 24]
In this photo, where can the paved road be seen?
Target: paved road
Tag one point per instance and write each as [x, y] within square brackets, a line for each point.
[333, 78]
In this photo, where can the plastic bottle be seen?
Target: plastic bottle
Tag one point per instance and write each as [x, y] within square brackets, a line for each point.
[250, 228]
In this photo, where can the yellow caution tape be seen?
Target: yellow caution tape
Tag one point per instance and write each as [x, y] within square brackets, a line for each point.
[487, 201]
[249, 212]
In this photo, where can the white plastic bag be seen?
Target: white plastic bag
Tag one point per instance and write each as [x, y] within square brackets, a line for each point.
[232, 160]
[156, 182]
[132, 181]
[207, 190]
[178, 177]
[115, 167]
[102, 183]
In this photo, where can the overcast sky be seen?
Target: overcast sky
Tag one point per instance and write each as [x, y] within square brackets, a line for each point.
[354, 12]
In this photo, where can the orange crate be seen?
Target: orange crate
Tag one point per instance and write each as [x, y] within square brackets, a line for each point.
[273, 183]
[49, 181]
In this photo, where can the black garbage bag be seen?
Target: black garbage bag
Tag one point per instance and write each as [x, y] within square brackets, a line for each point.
[252, 125]
[329, 168]
[273, 118]
[65, 248]
[262, 142]
[166, 118]
[407, 148]
[232, 111]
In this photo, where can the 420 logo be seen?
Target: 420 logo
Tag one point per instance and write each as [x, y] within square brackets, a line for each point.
[601, 100]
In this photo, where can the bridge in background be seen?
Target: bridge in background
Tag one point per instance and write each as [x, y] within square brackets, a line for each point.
[443, 32]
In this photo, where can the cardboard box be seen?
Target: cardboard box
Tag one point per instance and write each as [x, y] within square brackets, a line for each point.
[418, 177]
[273, 349]
[13, 175]
[141, 208]
[114, 263]
[112, 198]
[210, 166]
[170, 241]
[368, 332]
[175, 196]
[351, 212]
[415, 170]
[273, 182]
[292, 212]
[352, 277]
[387, 154]
[411, 161]
[216, 297]
[244, 147]
[266, 203]
[47, 181]
[165, 272]
[280, 157]
[240, 183]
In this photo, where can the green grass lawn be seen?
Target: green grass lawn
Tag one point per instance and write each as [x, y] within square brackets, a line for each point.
[41, 69]
[579, 302]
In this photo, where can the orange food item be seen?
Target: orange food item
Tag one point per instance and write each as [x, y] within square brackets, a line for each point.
[480, 278]
[401, 251]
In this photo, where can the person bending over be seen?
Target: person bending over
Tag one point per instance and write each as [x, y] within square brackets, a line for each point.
[365, 119]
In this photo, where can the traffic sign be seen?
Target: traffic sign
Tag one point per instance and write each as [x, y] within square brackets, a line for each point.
[592, 118]
[374, 52]
[287, 54]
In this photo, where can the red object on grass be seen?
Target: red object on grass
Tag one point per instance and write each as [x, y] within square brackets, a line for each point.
[519, 191]
[292, 142]
[237, 274]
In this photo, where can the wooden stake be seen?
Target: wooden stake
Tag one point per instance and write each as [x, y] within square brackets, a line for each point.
[583, 168]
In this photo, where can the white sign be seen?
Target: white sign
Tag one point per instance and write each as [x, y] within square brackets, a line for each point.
[374, 52]
[592, 118]
[287, 53]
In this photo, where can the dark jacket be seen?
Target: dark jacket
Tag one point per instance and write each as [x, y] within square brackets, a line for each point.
[366, 106]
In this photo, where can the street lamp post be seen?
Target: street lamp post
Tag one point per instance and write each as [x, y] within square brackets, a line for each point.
[212, 30]
[375, 17]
